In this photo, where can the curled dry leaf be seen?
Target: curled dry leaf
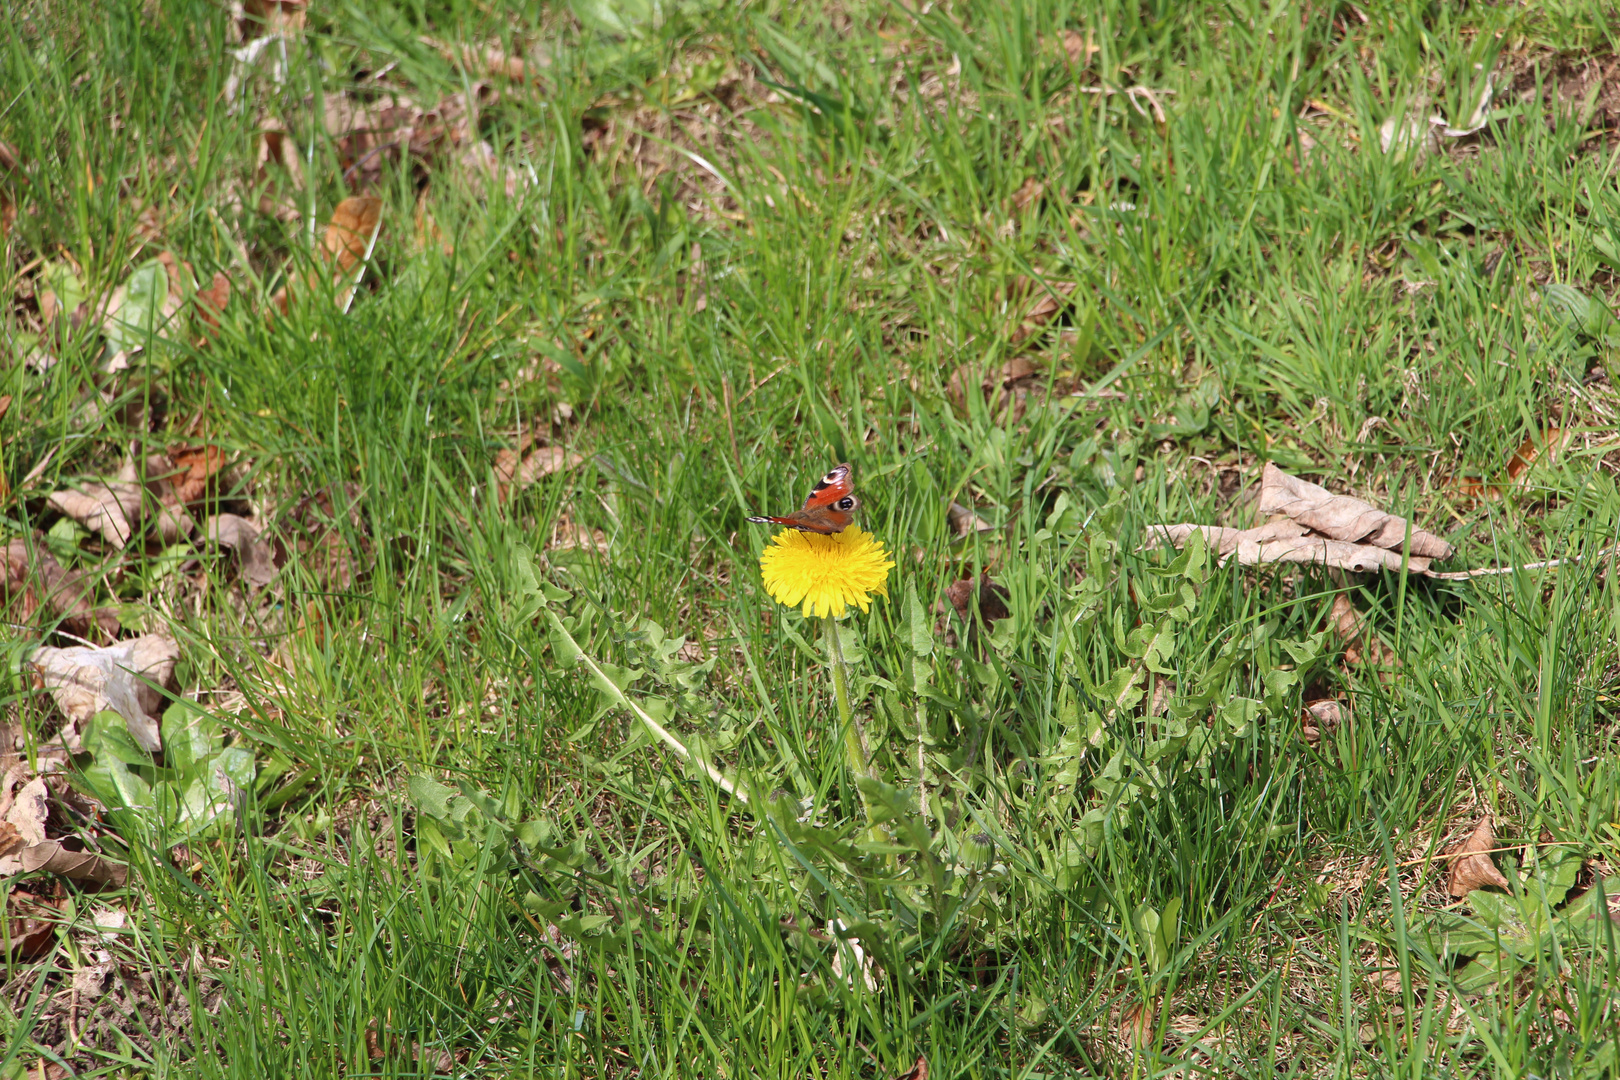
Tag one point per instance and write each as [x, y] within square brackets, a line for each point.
[84, 681]
[1285, 542]
[1136, 1025]
[1341, 517]
[68, 859]
[1313, 525]
[108, 509]
[212, 300]
[254, 559]
[35, 581]
[1471, 866]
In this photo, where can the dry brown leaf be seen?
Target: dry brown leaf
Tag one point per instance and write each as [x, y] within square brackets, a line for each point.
[918, 1070]
[11, 841]
[109, 509]
[1341, 517]
[265, 17]
[85, 680]
[1136, 1025]
[1471, 866]
[76, 864]
[351, 230]
[1007, 385]
[33, 580]
[350, 234]
[1322, 718]
[1079, 47]
[536, 466]
[987, 597]
[33, 925]
[1031, 191]
[1361, 642]
[1286, 542]
[489, 60]
[194, 470]
[255, 560]
[965, 522]
[212, 300]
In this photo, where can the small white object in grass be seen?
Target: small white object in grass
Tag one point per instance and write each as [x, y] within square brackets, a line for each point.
[857, 958]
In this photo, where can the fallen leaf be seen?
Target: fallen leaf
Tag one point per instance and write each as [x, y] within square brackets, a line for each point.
[212, 300]
[31, 810]
[350, 234]
[194, 469]
[1079, 47]
[255, 561]
[108, 509]
[85, 680]
[539, 464]
[489, 59]
[283, 18]
[986, 597]
[1341, 517]
[918, 1071]
[1471, 866]
[1031, 191]
[34, 580]
[1361, 642]
[965, 522]
[1551, 441]
[1136, 1025]
[1312, 525]
[1285, 542]
[1321, 718]
[73, 863]
[11, 840]
[1007, 385]
[33, 925]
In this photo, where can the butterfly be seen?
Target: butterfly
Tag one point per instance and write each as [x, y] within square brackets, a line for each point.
[829, 508]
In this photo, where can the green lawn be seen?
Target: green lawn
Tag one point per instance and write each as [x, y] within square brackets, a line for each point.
[1078, 268]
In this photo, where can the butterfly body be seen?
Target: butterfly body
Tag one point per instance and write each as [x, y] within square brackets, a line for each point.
[829, 509]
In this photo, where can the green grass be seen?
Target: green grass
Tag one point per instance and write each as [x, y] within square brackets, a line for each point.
[749, 241]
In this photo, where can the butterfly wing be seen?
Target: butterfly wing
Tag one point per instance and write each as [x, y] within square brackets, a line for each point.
[829, 508]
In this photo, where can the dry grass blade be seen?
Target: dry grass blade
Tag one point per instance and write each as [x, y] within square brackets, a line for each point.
[1471, 866]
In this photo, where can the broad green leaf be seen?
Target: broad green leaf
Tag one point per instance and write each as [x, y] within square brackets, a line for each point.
[137, 318]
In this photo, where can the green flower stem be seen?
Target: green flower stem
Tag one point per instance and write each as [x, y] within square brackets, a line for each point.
[856, 754]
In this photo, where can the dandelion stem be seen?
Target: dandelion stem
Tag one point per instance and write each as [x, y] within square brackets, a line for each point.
[855, 751]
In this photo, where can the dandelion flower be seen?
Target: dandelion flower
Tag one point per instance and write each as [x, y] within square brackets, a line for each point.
[826, 574]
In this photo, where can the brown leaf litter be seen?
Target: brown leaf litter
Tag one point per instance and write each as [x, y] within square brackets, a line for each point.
[347, 243]
[1471, 865]
[127, 677]
[36, 583]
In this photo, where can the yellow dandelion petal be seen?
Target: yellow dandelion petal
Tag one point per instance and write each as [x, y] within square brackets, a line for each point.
[825, 574]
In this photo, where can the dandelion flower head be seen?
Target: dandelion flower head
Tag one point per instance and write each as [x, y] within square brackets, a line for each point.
[825, 574]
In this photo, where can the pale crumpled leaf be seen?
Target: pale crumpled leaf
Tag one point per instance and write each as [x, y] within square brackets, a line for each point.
[1341, 517]
[1286, 542]
[108, 509]
[1471, 866]
[24, 825]
[85, 681]
[1310, 524]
